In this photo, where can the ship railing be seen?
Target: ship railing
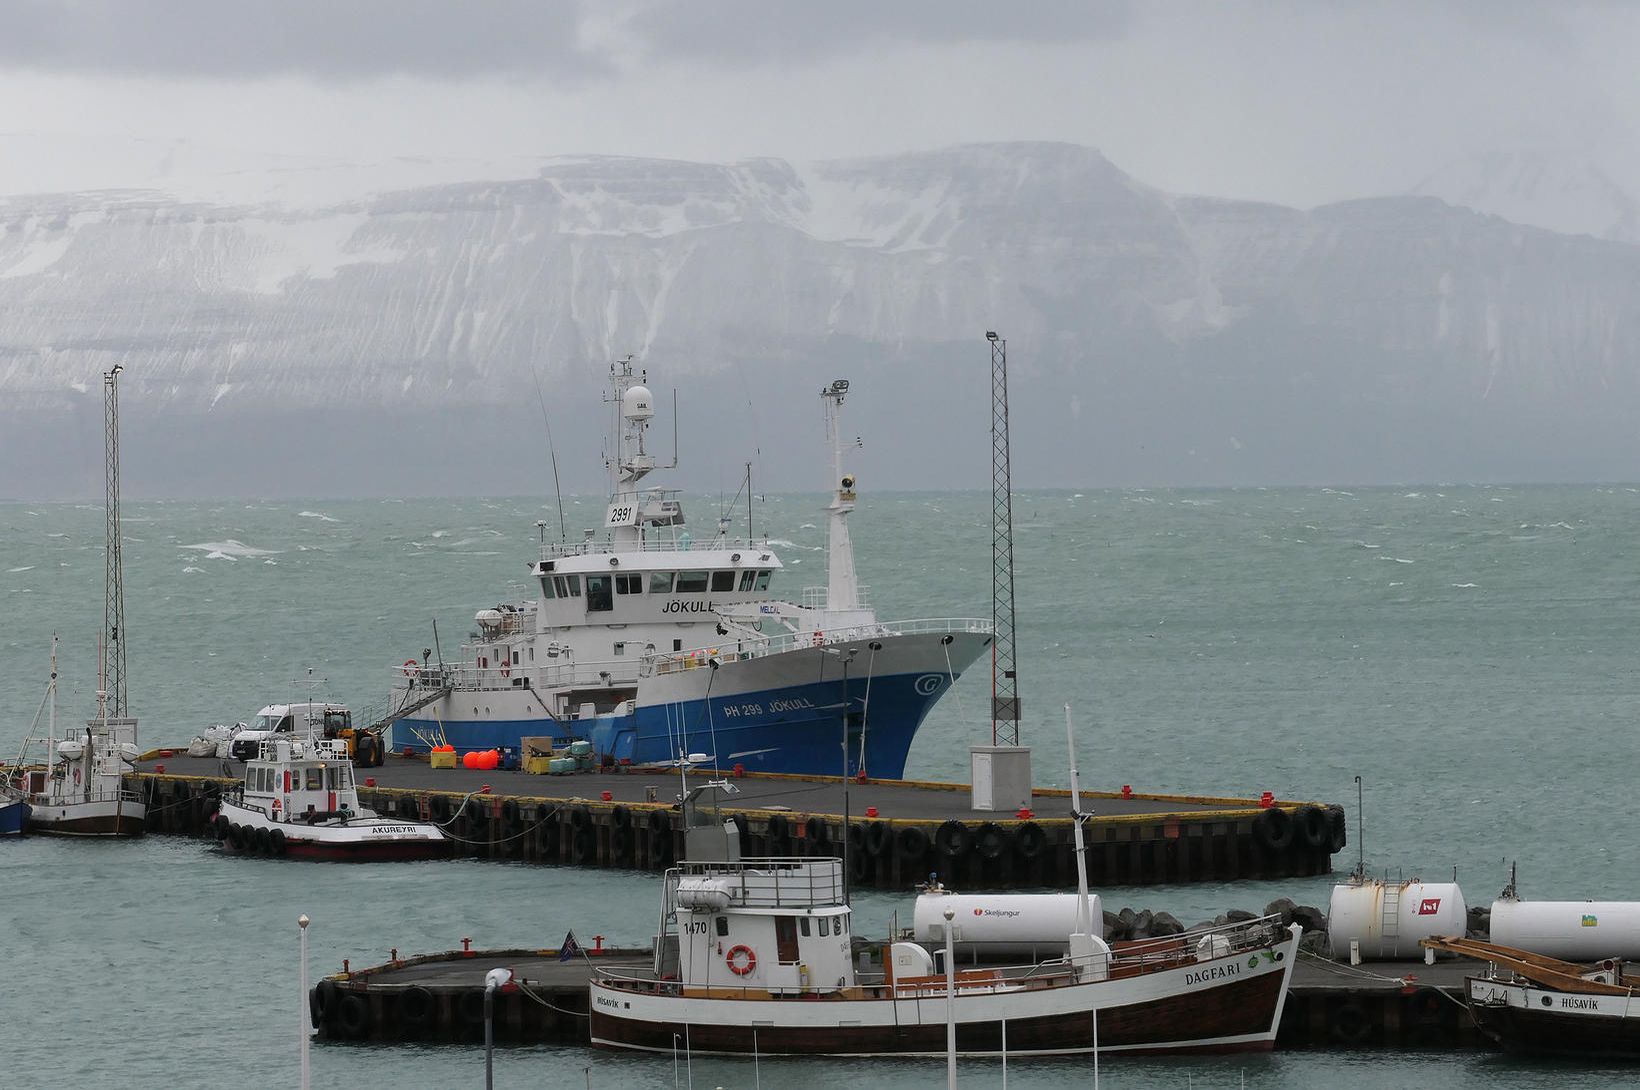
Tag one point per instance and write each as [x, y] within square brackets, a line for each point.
[771, 881]
[672, 662]
[1208, 943]
[470, 677]
[655, 542]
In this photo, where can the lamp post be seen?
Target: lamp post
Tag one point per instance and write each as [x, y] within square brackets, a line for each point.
[493, 979]
[302, 922]
[950, 1004]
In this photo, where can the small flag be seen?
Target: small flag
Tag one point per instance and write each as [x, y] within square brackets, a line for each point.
[568, 948]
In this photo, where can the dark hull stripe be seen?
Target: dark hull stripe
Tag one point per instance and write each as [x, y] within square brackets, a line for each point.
[125, 825]
[1549, 1033]
[1180, 1023]
[360, 852]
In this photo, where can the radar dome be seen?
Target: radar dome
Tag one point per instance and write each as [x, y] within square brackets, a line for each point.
[637, 404]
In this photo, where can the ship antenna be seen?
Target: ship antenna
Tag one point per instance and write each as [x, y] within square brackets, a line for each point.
[552, 452]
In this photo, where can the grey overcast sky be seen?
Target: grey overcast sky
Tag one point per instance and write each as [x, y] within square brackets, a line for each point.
[1293, 102]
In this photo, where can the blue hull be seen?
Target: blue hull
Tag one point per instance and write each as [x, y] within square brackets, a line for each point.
[13, 818]
[794, 729]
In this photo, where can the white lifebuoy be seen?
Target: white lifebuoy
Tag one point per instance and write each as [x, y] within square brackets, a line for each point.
[735, 965]
[411, 668]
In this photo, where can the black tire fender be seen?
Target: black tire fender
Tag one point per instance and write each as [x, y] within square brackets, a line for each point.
[1274, 829]
[954, 840]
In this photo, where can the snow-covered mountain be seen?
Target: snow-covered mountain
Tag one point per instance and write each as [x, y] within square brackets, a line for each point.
[412, 340]
[1556, 190]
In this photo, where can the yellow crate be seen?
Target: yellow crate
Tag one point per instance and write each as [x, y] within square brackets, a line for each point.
[538, 766]
[446, 759]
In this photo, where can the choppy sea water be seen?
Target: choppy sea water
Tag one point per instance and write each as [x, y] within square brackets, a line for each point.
[1467, 651]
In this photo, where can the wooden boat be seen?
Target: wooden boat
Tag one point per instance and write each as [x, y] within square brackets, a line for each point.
[1542, 1006]
[299, 798]
[764, 949]
[758, 956]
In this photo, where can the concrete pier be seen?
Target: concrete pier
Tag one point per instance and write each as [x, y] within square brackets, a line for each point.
[898, 831]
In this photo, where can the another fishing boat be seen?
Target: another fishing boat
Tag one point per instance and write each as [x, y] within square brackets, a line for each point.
[648, 644]
[299, 799]
[757, 956]
[1537, 1005]
[75, 786]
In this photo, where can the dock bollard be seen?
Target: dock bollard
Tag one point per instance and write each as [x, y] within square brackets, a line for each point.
[1266, 800]
[1127, 790]
[871, 811]
[466, 947]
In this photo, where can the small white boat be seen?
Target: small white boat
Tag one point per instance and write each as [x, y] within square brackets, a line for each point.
[299, 799]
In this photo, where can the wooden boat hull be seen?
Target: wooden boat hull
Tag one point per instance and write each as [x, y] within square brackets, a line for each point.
[1534, 1021]
[1229, 1005]
[88, 819]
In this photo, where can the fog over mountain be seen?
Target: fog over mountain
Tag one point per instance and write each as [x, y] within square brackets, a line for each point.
[396, 344]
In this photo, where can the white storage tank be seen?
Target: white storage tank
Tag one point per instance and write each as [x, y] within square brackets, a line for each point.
[1570, 930]
[1003, 924]
[1389, 918]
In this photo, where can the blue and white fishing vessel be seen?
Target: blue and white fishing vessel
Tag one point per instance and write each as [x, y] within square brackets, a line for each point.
[650, 645]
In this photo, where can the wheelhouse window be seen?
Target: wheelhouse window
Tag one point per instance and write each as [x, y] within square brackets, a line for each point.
[762, 580]
[723, 581]
[746, 578]
[599, 598]
[825, 927]
[315, 779]
[629, 583]
[660, 582]
[546, 587]
[563, 587]
[691, 582]
[722, 925]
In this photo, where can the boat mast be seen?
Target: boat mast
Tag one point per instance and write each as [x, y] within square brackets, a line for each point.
[631, 461]
[51, 696]
[113, 664]
[1084, 907]
[842, 588]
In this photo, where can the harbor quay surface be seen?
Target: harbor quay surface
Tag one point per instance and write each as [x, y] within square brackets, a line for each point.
[439, 998]
[898, 832]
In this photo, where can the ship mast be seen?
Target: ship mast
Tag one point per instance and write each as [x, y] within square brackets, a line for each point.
[113, 664]
[842, 587]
